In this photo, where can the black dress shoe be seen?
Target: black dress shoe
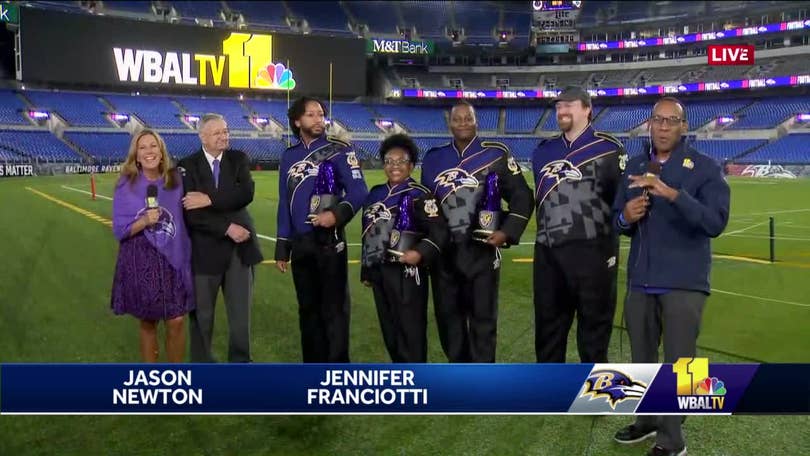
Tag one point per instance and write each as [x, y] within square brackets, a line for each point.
[633, 434]
[661, 451]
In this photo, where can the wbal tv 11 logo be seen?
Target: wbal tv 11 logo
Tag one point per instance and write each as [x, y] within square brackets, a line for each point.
[695, 388]
[248, 59]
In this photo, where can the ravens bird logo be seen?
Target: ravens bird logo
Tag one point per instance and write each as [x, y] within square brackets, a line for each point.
[456, 178]
[562, 170]
[377, 212]
[614, 386]
[303, 169]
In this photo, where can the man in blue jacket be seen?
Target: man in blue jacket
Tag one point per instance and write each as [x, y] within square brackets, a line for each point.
[317, 242]
[671, 203]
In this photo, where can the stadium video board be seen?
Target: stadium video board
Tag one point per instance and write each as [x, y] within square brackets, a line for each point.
[89, 50]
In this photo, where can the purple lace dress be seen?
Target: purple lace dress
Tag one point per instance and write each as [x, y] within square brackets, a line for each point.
[146, 286]
[152, 278]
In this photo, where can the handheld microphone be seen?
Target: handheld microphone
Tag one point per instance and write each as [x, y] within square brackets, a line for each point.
[151, 196]
[653, 170]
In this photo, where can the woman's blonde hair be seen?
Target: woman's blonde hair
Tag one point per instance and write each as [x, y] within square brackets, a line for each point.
[131, 168]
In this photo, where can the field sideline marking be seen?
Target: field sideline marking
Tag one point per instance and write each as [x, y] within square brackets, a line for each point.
[87, 193]
[730, 233]
[760, 298]
[787, 211]
[77, 209]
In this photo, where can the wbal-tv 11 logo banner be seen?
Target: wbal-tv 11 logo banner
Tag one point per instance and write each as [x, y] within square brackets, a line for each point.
[107, 51]
[690, 386]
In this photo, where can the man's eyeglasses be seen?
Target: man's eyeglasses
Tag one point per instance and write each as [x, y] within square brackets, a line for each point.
[391, 162]
[669, 121]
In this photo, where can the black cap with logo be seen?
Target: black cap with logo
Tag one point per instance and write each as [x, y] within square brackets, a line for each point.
[574, 93]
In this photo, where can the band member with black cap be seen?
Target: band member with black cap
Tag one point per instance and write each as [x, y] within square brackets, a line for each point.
[575, 253]
[469, 177]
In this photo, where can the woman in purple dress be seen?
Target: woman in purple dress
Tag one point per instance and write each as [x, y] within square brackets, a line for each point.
[153, 272]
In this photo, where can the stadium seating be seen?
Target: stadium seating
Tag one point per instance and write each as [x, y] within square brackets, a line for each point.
[521, 148]
[429, 18]
[11, 107]
[487, 118]
[40, 145]
[355, 117]
[104, 147]
[78, 109]
[621, 118]
[635, 146]
[7, 156]
[233, 112]
[322, 16]
[155, 111]
[415, 118]
[262, 149]
[477, 18]
[180, 145]
[522, 120]
[699, 113]
[263, 13]
[275, 109]
[194, 9]
[379, 16]
[790, 149]
[726, 149]
[142, 7]
[770, 112]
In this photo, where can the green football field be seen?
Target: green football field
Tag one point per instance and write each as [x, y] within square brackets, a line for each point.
[59, 257]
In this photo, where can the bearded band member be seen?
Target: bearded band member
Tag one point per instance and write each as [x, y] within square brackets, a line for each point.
[576, 248]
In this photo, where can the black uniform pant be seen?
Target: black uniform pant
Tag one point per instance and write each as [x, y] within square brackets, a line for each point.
[578, 277]
[401, 296]
[465, 298]
[320, 275]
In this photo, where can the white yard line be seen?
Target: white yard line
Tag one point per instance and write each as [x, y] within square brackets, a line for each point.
[731, 233]
[760, 298]
[787, 211]
[87, 193]
[777, 238]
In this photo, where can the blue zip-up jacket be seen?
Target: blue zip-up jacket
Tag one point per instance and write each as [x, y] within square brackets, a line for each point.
[671, 246]
[299, 167]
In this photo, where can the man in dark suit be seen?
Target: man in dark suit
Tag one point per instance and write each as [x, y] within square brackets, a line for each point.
[218, 189]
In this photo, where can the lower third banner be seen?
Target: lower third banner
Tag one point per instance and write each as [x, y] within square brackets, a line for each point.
[686, 387]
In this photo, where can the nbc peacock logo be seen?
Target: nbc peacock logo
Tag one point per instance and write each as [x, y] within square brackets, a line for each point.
[696, 390]
[275, 76]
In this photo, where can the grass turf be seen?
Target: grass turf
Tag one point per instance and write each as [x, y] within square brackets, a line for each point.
[54, 307]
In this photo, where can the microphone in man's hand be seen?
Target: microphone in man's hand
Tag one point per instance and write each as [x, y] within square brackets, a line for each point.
[151, 196]
[653, 171]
